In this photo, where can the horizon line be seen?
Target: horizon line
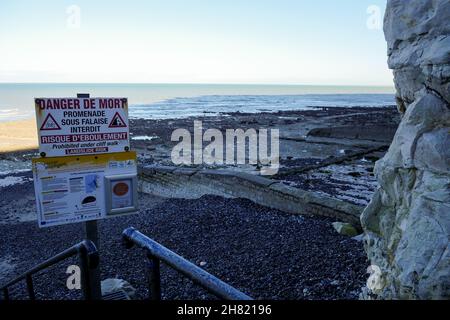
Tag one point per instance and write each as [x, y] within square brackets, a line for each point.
[206, 83]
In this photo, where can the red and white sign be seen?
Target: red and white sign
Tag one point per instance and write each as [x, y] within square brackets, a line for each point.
[80, 126]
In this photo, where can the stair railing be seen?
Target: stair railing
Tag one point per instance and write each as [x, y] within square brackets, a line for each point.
[89, 259]
[156, 253]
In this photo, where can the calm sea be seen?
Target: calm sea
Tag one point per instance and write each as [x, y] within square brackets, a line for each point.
[160, 101]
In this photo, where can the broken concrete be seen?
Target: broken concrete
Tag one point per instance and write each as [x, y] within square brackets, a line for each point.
[367, 132]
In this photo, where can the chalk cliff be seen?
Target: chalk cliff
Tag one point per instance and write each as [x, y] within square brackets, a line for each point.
[407, 223]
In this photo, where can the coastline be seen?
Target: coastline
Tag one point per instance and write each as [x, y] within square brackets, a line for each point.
[17, 136]
[312, 138]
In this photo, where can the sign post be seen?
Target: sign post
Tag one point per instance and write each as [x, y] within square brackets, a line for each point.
[91, 233]
[86, 171]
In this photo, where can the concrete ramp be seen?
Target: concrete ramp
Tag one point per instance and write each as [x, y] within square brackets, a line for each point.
[187, 183]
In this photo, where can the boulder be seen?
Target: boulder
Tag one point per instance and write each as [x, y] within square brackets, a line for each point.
[345, 229]
[114, 285]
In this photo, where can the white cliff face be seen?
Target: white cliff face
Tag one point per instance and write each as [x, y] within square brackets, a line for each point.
[407, 223]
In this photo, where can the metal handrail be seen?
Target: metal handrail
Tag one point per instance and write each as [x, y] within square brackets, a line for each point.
[89, 258]
[156, 253]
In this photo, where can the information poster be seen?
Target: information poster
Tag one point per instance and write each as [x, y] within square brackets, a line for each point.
[72, 189]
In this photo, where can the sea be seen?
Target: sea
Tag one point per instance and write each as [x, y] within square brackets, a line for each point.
[168, 101]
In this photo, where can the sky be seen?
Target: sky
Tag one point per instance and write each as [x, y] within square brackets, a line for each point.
[320, 42]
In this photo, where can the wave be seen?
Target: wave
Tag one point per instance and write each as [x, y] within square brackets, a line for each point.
[14, 114]
[216, 104]
[184, 107]
[16, 110]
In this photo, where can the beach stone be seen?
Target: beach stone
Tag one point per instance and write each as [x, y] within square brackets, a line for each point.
[407, 223]
[345, 229]
[114, 285]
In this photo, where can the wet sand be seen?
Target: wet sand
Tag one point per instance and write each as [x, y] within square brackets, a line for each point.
[18, 135]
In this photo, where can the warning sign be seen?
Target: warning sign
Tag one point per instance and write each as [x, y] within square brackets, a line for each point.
[117, 122]
[82, 126]
[50, 124]
[77, 189]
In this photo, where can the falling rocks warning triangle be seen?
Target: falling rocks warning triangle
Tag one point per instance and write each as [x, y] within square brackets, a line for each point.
[117, 122]
[50, 124]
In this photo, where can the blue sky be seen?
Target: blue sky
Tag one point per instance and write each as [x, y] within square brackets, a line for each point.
[195, 41]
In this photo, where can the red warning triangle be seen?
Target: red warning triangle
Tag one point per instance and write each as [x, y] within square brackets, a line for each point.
[50, 124]
[117, 122]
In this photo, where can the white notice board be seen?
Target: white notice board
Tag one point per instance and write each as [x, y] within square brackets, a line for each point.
[74, 189]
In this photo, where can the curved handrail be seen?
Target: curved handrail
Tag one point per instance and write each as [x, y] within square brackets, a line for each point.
[131, 237]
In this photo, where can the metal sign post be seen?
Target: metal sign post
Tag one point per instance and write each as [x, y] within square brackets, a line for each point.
[91, 233]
